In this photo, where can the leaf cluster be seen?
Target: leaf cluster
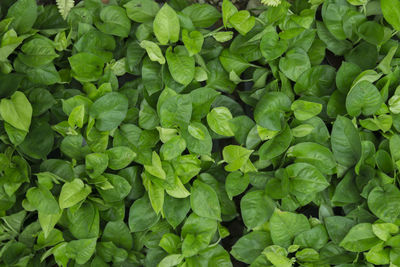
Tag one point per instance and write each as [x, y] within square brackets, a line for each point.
[135, 133]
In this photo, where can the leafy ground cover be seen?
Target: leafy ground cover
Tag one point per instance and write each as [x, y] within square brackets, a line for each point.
[141, 133]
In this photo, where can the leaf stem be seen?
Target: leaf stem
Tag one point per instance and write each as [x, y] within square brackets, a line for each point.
[214, 31]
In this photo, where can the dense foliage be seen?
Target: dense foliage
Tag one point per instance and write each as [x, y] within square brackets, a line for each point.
[136, 133]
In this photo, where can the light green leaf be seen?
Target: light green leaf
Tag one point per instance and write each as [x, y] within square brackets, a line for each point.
[219, 121]
[363, 98]
[304, 110]
[166, 25]
[236, 157]
[391, 12]
[119, 157]
[242, 21]
[17, 111]
[385, 202]
[204, 201]
[193, 41]
[155, 168]
[228, 10]
[73, 192]
[360, 238]
[305, 179]
[153, 50]
[64, 7]
[285, 226]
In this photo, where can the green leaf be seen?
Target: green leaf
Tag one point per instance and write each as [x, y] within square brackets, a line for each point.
[345, 141]
[175, 111]
[24, 14]
[294, 63]
[196, 132]
[202, 15]
[277, 145]
[338, 227]
[193, 41]
[175, 209]
[180, 65]
[228, 10]
[173, 148]
[48, 221]
[84, 222]
[223, 36]
[114, 21]
[153, 50]
[171, 260]
[148, 118]
[314, 238]
[197, 233]
[236, 157]
[64, 7]
[119, 157]
[305, 179]
[120, 188]
[201, 146]
[109, 111]
[304, 110]
[315, 154]
[256, 208]
[118, 232]
[332, 13]
[72, 193]
[86, 67]
[287, 225]
[384, 231]
[242, 21]
[363, 98]
[317, 81]
[236, 183]
[233, 62]
[346, 191]
[17, 111]
[155, 168]
[391, 12]
[204, 201]
[96, 164]
[142, 215]
[219, 121]
[384, 202]
[38, 52]
[81, 250]
[42, 200]
[170, 243]
[250, 246]
[166, 25]
[10, 41]
[360, 238]
[141, 10]
[378, 255]
[270, 110]
[373, 32]
[271, 47]
[277, 256]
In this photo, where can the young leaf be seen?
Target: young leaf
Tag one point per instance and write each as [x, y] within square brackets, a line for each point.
[64, 7]
[166, 25]
[17, 111]
[72, 193]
